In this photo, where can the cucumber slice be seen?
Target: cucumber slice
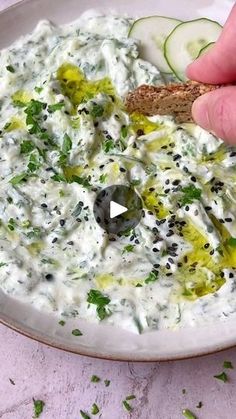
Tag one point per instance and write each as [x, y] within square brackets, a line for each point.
[206, 49]
[183, 44]
[152, 32]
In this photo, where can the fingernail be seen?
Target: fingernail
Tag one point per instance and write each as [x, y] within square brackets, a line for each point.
[201, 113]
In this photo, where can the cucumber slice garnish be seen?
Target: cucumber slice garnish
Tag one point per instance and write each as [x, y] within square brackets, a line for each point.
[183, 44]
[206, 49]
[152, 32]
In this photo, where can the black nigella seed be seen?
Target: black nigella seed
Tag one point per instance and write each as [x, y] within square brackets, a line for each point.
[212, 252]
[166, 190]
[176, 182]
[62, 223]
[140, 132]
[231, 275]
[81, 204]
[228, 220]
[122, 169]
[222, 274]
[171, 260]
[193, 179]
[154, 249]
[49, 277]
[136, 241]
[176, 157]
[169, 274]
[167, 181]
[185, 169]
[86, 218]
[232, 154]
[70, 243]
[187, 208]
[54, 240]
[221, 221]
[156, 265]
[151, 189]
[167, 265]
[170, 233]
[206, 245]
[44, 205]
[208, 208]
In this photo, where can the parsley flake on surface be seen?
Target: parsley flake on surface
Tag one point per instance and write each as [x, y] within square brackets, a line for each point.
[38, 407]
[84, 415]
[107, 383]
[97, 111]
[228, 364]
[16, 180]
[62, 322]
[95, 409]
[223, 377]
[65, 150]
[188, 414]
[77, 332]
[95, 379]
[26, 147]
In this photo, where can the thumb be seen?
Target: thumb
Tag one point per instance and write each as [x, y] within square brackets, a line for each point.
[215, 111]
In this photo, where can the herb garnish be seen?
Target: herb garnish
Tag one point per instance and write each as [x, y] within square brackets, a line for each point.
[231, 242]
[77, 332]
[188, 414]
[190, 194]
[10, 68]
[95, 409]
[108, 145]
[19, 178]
[223, 377]
[127, 405]
[38, 407]
[26, 147]
[65, 150]
[152, 277]
[128, 248]
[107, 383]
[84, 415]
[228, 364]
[97, 111]
[100, 300]
[95, 379]
[62, 322]
[55, 107]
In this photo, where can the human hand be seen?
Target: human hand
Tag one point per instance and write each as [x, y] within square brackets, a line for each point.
[216, 111]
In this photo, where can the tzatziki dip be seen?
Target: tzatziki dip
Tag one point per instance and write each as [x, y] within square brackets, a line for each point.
[65, 135]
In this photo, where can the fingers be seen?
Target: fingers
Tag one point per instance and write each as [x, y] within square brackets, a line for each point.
[219, 64]
[216, 111]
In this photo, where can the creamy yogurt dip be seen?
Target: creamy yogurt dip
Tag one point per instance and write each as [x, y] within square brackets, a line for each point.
[65, 135]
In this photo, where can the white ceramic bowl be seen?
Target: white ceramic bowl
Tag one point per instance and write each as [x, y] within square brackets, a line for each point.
[102, 340]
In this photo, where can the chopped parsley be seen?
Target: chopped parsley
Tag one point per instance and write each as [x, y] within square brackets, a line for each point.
[2, 264]
[103, 178]
[131, 397]
[95, 379]
[108, 145]
[231, 242]
[22, 177]
[128, 248]
[191, 193]
[188, 414]
[26, 147]
[107, 383]
[65, 150]
[223, 377]
[152, 277]
[62, 322]
[127, 406]
[100, 300]
[34, 233]
[38, 407]
[11, 224]
[124, 131]
[55, 107]
[97, 111]
[84, 415]
[82, 180]
[38, 89]
[34, 164]
[228, 364]
[10, 68]
[77, 332]
[95, 409]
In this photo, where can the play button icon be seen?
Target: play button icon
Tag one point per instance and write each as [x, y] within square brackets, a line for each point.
[117, 209]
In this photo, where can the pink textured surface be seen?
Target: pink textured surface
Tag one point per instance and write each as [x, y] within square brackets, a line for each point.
[63, 381]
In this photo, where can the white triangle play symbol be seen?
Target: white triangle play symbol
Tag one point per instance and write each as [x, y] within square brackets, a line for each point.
[116, 209]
